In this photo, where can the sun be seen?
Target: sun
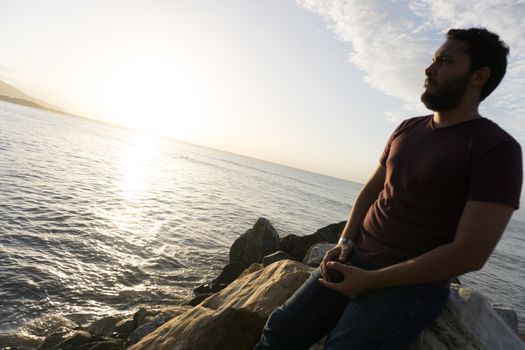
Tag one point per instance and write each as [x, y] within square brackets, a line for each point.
[153, 95]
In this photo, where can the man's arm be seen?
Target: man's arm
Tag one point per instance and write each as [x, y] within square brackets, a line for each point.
[364, 200]
[479, 230]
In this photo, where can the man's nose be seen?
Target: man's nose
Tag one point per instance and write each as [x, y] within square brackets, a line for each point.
[430, 70]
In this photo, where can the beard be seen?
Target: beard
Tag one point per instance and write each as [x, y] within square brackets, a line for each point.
[447, 95]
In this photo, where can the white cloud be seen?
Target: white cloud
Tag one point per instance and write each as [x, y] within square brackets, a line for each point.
[393, 44]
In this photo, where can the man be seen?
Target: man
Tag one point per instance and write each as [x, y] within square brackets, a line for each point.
[434, 208]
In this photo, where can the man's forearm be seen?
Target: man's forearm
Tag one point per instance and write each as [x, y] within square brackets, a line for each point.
[479, 230]
[363, 202]
[439, 264]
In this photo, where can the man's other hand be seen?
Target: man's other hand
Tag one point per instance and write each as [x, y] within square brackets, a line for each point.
[356, 280]
[341, 252]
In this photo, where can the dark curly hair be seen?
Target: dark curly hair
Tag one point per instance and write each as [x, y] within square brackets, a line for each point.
[485, 49]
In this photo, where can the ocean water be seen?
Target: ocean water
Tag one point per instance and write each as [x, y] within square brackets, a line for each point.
[97, 219]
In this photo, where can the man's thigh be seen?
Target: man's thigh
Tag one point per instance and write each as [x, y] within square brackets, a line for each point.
[387, 318]
[308, 315]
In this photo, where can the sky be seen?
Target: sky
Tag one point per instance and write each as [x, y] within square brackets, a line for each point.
[313, 84]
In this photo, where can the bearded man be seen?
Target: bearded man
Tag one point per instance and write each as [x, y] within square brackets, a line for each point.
[435, 208]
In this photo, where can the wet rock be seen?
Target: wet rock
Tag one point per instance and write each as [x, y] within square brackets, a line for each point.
[154, 322]
[277, 256]
[143, 313]
[202, 289]
[234, 317]
[262, 239]
[56, 337]
[103, 327]
[124, 328]
[114, 344]
[196, 300]
[297, 246]
[76, 340]
[316, 253]
[229, 273]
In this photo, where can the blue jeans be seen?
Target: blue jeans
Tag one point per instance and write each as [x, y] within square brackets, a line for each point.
[386, 318]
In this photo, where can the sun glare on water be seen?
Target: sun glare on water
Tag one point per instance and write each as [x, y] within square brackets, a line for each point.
[153, 95]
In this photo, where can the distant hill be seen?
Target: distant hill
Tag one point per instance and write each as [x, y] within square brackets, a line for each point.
[11, 94]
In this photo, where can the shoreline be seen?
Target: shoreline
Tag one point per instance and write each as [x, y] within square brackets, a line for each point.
[122, 331]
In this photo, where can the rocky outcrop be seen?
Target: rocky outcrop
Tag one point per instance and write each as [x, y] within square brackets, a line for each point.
[234, 317]
[297, 246]
[316, 253]
[111, 332]
[468, 322]
[277, 256]
[261, 240]
[229, 313]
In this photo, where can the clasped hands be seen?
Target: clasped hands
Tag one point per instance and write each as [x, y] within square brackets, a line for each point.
[356, 280]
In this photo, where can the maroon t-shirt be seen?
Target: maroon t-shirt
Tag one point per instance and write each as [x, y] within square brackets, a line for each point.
[430, 175]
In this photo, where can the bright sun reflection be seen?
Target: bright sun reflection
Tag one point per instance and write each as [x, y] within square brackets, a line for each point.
[137, 174]
[154, 95]
[136, 165]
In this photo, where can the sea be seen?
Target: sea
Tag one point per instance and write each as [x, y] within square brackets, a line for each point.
[97, 220]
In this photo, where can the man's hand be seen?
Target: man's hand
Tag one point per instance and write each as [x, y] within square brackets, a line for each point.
[356, 280]
[340, 252]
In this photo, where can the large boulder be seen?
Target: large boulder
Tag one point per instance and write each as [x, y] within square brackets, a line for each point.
[262, 239]
[277, 256]
[468, 323]
[228, 274]
[148, 320]
[297, 246]
[316, 253]
[103, 327]
[234, 317]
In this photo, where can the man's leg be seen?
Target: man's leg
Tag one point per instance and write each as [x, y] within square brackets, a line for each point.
[308, 315]
[387, 318]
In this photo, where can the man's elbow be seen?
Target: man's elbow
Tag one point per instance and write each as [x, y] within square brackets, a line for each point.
[475, 263]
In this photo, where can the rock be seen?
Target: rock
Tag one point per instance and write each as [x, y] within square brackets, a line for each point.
[277, 256]
[114, 344]
[316, 253]
[297, 246]
[196, 300]
[103, 327]
[155, 322]
[469, 323]
[123, 328]
[234, 317]
[262, 239]
[252, 268]
[228, 274]
[202, 289]
[56, 337]
[142, 314]
[509, 316]
[76, 340]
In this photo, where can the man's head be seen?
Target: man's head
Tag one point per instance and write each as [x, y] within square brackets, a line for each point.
[472, 60]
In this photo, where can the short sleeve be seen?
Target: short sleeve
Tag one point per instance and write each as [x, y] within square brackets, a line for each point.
[497, 174]
[386, 150]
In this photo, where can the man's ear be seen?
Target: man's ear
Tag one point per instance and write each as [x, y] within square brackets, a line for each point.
[480, 76]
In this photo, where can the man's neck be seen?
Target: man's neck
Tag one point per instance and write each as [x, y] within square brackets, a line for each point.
[457, 115]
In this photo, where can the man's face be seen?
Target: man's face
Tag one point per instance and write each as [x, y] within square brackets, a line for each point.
[447, 77]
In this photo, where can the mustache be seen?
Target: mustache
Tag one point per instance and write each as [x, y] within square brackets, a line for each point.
[430, 81]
